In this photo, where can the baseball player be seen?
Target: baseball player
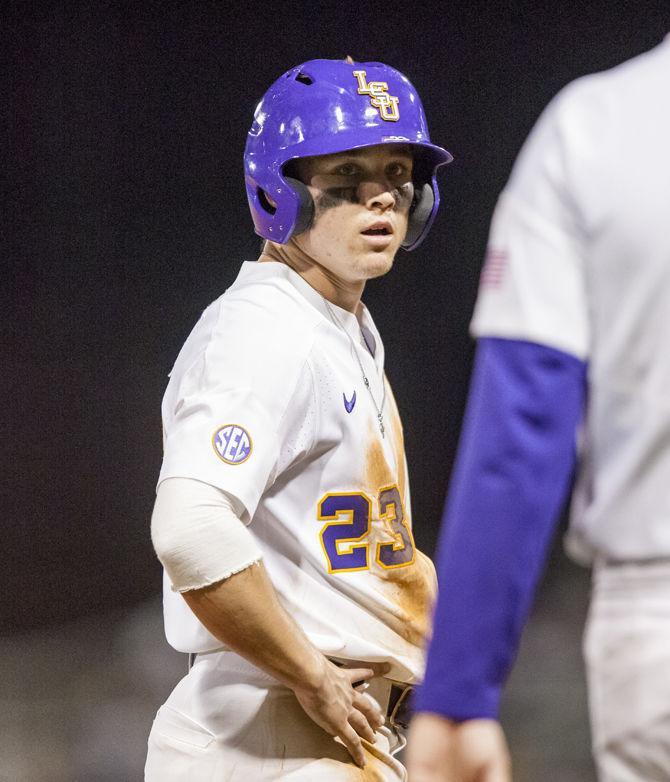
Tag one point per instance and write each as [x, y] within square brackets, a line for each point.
[282, 515]
[572, 322]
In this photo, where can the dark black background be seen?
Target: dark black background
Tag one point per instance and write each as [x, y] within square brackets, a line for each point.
[125, 215]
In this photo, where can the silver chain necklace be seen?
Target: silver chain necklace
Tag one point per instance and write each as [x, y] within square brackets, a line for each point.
[380, 414]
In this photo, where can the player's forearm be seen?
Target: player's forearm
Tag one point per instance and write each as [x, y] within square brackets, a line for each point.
[244, 612]
[207, 553]
[515, 459]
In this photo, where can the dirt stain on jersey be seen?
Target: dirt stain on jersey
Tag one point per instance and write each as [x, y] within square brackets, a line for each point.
[411, 588]
[374, 768]
[398, 443]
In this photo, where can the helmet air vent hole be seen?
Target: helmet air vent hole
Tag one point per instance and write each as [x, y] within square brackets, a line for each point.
[265, 203]
[303, 78]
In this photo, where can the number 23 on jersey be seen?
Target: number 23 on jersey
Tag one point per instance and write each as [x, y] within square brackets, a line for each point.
[345, 539]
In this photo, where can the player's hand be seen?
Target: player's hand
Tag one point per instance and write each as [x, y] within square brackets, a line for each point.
[342, 710]
[439, 750]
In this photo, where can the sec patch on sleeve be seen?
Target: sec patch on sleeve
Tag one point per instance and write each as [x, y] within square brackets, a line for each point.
[232, 444]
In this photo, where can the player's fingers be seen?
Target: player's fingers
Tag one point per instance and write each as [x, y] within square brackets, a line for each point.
[356, 675]
[360, 724]
[380, 669]
[352, 742]
[371, 709]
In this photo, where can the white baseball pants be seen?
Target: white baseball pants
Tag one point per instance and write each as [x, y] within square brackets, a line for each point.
[227, 721]
[627, 651]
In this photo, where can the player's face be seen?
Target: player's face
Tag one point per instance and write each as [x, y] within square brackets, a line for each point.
[362, 200]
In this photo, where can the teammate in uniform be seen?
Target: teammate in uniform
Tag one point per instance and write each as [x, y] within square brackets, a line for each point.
[283, 510]
[572, 322]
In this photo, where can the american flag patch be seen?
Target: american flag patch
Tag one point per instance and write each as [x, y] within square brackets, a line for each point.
[494, 267]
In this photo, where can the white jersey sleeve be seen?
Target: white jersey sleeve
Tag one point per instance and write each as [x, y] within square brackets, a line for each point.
[532, 283]
[226, 417]
[579, 260]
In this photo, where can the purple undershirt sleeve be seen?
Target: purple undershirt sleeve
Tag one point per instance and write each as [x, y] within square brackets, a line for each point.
[515, 460]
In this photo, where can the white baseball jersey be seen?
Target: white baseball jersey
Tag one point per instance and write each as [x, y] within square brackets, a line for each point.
[579, 259]
[267, 402]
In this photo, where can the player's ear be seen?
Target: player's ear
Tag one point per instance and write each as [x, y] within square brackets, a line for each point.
[267, 202]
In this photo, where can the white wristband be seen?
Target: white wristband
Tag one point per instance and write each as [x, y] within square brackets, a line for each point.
[198, 534]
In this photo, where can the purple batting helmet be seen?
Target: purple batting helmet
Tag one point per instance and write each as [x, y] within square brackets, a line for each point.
[327, 106]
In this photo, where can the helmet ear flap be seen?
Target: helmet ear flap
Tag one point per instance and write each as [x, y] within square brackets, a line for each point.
[306, 208]
[420, 213]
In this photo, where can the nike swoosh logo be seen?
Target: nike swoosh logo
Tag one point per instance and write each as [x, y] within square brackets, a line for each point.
[349, 403]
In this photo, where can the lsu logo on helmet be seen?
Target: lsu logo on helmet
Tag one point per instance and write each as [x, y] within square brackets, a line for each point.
[386, 105]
